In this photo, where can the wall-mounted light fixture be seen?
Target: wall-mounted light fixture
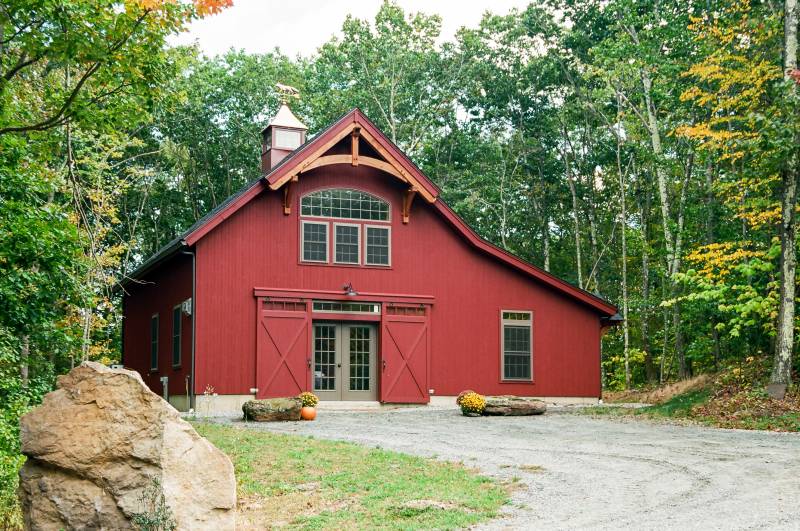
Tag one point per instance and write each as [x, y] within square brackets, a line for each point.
[348, 290]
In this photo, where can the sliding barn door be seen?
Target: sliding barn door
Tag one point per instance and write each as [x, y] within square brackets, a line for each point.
[283, 349]
[405, 345]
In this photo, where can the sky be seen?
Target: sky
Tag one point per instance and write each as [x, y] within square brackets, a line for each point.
[302, 26]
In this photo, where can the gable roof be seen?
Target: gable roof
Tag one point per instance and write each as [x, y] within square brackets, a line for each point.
[406, 170]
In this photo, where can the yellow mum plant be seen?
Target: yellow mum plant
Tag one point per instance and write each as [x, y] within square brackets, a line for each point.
[308, 399]
[472, 403]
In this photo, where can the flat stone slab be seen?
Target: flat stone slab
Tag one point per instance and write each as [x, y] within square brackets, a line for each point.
[272, 409]
[513, 406]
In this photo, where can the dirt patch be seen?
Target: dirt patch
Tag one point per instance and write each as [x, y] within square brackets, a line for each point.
[657, 395]
[531, 468]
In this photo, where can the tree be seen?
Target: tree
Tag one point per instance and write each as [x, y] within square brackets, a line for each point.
[781, 370]
[60, 60]
[393, 70]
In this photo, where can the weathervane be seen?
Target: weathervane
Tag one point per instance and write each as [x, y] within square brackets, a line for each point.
[287, 92]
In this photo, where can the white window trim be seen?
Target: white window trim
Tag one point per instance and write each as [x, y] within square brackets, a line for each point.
[303, 224]
[388, 228]
[520, 323]
[157, 340]
[180, 336]
[358, 220]
[335, 243]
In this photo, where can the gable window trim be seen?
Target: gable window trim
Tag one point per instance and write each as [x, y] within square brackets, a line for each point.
[177, 336]
[516, 319]
[303, 258]
[154, 332]
[388, 230]
[335, 254]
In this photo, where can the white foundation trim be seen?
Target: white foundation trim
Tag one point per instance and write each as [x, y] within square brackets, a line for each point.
[220, 405]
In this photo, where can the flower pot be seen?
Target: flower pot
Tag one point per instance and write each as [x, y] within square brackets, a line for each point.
[308, 413]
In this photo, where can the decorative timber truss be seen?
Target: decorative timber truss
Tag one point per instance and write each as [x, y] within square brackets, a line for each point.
[387, 163]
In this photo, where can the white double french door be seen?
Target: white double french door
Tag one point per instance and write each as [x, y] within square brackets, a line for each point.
[344, 361]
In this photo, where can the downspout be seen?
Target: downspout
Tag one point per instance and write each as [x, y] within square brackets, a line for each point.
[122, 334]
[194, 326]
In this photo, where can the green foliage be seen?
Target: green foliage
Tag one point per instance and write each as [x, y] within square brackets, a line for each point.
[155, 514]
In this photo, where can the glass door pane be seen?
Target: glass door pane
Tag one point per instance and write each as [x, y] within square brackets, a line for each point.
[360, 339]
[325, 357]
[358, 355]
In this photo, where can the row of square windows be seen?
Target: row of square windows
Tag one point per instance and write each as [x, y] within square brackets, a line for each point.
[347, 248]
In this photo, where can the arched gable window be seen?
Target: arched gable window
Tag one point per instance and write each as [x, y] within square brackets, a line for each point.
[363, 237]
[344, 204]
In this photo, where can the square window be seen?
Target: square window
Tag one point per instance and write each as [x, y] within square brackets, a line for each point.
[315, 242]
[347, 244]
[378, 246]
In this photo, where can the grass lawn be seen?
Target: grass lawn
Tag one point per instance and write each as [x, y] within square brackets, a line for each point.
[307, 483]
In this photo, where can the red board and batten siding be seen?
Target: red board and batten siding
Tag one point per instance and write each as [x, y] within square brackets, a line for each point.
[258, 246]
[159, 292]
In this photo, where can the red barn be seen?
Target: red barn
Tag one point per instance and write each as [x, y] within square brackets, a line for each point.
[342, 271]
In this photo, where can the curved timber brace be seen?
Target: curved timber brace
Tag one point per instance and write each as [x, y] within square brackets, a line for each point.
[408, 199]
[288, 194]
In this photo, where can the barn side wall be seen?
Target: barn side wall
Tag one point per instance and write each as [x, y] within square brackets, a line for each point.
[158, 293]
[258, 246]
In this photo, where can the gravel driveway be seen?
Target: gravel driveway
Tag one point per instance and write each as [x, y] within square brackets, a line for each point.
[596, 473]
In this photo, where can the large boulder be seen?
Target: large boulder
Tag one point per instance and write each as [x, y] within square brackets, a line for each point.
[508, 405]
[271, 409]
[103, 450]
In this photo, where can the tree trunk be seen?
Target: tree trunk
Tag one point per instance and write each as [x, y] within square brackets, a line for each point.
[709, 240]
[546, 240]
[782, 364]
[625, 326]
[573, 193]
[661, 375]
[649, 367]
[684, 365]
[24, 357]
[87, 333]
[624, 240]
